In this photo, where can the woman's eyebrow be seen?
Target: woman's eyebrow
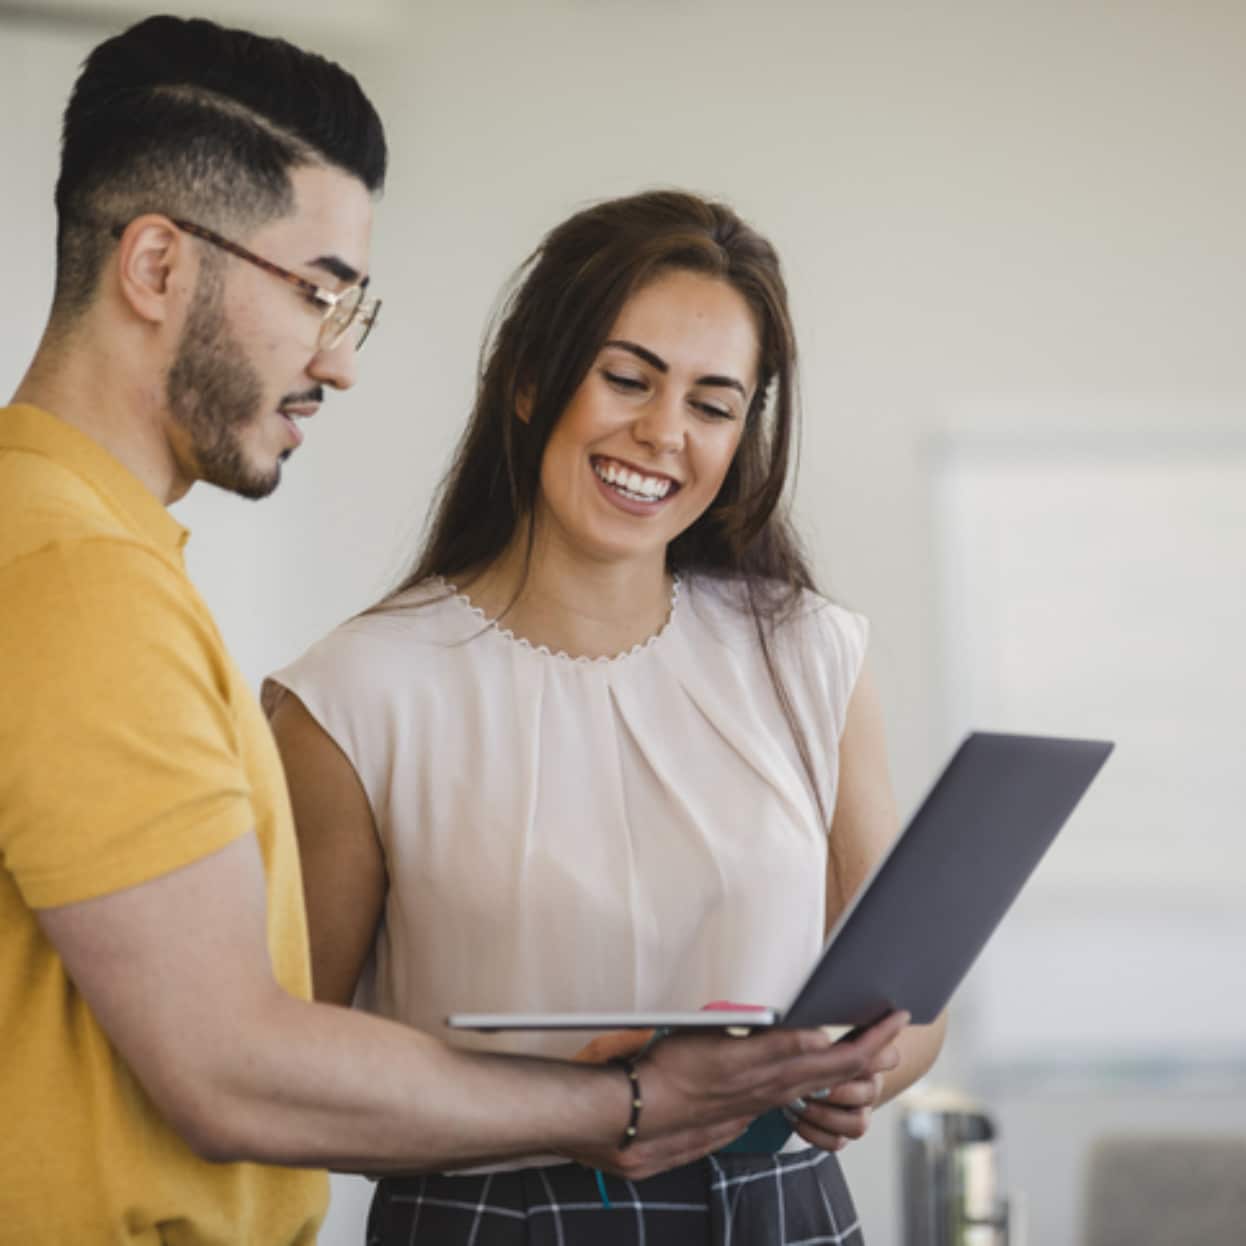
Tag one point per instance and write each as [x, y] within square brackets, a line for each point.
[656, 361]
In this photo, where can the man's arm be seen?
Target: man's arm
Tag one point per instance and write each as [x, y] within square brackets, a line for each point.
[177, 972]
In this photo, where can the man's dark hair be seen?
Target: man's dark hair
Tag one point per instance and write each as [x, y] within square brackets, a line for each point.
[194, 120]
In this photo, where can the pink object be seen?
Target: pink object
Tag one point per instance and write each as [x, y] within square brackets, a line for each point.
[725, 1005]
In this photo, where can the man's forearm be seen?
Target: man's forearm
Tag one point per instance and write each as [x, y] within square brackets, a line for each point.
[176, 972]
[322, 1086]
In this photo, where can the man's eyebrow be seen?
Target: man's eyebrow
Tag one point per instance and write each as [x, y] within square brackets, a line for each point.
[656, 361]
[336, 267]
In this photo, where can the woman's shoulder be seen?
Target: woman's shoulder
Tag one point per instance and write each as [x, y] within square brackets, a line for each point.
[732, 607]
[418, 621]
[814, 647]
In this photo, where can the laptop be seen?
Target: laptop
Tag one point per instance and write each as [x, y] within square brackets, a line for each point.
[920, 920]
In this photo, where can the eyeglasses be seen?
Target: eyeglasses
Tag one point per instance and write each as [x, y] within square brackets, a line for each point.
[341, 312]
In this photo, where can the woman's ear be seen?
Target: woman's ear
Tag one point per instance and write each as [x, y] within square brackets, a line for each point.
[523, 403]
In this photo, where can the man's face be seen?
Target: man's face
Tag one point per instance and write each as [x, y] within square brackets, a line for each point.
[249, 362]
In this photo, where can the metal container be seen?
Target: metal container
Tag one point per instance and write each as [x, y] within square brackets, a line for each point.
[953, 1193]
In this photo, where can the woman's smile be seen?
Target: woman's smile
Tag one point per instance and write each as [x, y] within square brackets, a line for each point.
[656, 420]
[632, 484]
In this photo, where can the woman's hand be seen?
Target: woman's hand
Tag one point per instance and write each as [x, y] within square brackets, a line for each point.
[842, 1114]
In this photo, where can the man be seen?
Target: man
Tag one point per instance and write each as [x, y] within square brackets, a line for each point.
[165, 1077]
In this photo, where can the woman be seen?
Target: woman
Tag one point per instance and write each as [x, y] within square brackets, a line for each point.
[605, 746]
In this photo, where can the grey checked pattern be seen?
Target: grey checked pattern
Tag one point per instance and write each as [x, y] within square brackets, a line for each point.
[795, 1199]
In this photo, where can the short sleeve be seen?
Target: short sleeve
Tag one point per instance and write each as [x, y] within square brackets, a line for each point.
[820, 653]
[842, 637]
[342, 681]
[121, 754]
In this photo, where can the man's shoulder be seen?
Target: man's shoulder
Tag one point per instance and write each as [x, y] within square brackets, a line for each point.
[77, 591]
[44, 503]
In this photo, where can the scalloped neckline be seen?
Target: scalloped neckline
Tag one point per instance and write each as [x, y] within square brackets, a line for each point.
[561, 655]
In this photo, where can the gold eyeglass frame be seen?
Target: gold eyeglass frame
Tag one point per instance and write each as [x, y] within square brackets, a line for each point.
[331, 332]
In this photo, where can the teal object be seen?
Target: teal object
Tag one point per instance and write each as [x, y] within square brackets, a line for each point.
[764, 1136]
[601, 1187]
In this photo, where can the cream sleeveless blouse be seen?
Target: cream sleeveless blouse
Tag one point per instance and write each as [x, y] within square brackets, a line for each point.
[625, 833]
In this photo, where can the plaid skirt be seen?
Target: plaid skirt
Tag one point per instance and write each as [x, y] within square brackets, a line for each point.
[797, 1198]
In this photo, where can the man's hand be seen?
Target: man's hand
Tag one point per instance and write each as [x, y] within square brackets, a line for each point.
[701, 1091]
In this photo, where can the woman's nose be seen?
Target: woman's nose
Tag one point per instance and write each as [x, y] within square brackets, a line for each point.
[661, 425]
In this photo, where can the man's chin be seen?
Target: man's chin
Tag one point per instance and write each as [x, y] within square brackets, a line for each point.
[252, 485]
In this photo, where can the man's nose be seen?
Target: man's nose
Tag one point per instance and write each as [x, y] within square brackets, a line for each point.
[338, 365]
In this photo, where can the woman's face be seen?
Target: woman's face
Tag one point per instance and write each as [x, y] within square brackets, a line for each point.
[642, 448]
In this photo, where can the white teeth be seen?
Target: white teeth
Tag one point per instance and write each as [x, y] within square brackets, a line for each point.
[633, 484]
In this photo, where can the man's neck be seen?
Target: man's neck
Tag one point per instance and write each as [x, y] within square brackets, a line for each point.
[78, 380]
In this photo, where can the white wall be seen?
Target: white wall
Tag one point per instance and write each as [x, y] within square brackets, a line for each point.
[995, 216]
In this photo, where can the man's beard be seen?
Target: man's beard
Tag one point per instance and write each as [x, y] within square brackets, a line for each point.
[214, 393]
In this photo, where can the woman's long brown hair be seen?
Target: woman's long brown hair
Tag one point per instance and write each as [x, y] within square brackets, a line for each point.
[564, 302]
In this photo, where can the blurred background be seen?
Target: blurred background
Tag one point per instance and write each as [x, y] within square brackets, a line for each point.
[1015, 237]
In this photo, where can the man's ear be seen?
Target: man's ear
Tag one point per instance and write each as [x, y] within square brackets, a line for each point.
[156, 268]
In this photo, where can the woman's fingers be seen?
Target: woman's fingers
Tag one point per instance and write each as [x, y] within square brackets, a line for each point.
[851, 1122]
[841, 1116]
[862, 1092]
[844, 1127]
[612, 1046]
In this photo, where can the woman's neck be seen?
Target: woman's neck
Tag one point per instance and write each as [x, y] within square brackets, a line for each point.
[581, 607]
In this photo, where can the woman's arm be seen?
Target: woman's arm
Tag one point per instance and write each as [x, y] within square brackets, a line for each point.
[864, 825]
[344, 876]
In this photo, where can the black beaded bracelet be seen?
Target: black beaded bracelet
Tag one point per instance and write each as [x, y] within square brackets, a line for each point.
[633, 1123]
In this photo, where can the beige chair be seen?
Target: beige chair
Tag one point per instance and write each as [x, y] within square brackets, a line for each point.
[1166, 1191]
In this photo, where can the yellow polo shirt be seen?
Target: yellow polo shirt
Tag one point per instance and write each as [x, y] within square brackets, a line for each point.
[130, 745]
